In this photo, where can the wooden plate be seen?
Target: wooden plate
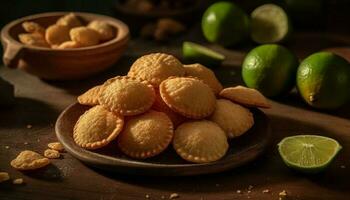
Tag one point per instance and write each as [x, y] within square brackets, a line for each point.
[242, 150]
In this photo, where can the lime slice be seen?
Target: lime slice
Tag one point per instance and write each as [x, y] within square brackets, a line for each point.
[308, 153]
[269, 24]
[197, 53]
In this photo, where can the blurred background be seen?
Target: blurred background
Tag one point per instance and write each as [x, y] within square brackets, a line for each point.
[328, 16]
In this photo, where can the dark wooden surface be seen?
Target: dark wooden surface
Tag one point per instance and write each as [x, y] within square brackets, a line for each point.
[39, 103]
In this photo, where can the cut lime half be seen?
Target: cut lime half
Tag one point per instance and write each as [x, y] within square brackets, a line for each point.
[269, 24]
[197, 53]
[308, 153]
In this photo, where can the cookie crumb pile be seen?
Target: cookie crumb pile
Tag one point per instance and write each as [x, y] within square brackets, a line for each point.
[162, 102]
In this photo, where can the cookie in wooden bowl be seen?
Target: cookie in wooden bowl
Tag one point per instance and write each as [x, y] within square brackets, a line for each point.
[146, 135]
[156, 67]
[205, 74]
[200, 141]
[246, 96]
[127, 96]
[233, 118]
[97, 127]
[188, 96]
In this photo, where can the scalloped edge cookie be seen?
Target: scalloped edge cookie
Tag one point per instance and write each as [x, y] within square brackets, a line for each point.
[246, 96]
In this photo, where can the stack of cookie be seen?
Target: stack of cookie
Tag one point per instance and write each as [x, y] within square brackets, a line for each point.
[162, 101]
[68, 32]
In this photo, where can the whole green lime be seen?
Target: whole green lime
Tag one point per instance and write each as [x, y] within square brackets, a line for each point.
[225, 23]
[271, 69]
[323, 80]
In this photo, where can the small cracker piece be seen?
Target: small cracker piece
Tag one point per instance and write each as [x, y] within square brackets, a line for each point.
[70, 20]
[127, 96]
[29, 160]
[188, 96]
[57, 34]
[50, 153]
[56, 146]
[68, 45]
[84, 36]
[106, 31]
[97, 127]
[33, 27]
[234, 119]
[246, 96]
[34, 39]
[146, 135]
[90, 97]
[18, 181]
[205, 74]
[156, 67]
[4, 176]
[200, 141]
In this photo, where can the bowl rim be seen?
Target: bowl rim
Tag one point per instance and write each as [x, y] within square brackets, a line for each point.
[121, 38]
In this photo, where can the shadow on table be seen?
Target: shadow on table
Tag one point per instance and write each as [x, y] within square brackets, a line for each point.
[295, 100]
[27, 111]
[49, 173]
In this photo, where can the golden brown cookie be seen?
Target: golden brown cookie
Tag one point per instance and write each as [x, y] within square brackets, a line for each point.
[70, 20]
[246, 96]
[234, 119]
[50, 153]
[106, 31]
[69, 45]
[200, 141]
[160, 105]
[156, 67]
[146, 135]
[57, 34]
[33, 27]
[56, 146]
[29, 160]
[97, 127]
[188, 96]
[34, 39]
[127, 96]
[205, 74]
[84, 36]
[90, 97]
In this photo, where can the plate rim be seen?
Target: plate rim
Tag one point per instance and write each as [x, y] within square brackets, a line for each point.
[96, 159]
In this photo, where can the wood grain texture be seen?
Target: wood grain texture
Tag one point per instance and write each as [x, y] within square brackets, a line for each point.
[39, 104]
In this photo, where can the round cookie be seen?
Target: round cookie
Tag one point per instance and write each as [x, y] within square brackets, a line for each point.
[205, 74]
[29, 160]
[146, 135]
[127, 96]
[234, 119]
[200, 141]
[188, 96]
[97, 127]
[246, 96]
[160, 105]
[156, 67]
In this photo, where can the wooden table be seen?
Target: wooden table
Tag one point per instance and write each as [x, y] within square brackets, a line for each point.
[39, 102]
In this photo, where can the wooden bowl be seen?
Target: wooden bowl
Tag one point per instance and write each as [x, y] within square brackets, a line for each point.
[62, 64]
[242, 150]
